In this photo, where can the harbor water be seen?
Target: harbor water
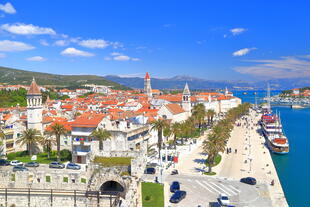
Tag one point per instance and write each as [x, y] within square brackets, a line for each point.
[293, 167]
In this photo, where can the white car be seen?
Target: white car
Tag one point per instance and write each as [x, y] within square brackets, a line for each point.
[224, 200]
[16, 163]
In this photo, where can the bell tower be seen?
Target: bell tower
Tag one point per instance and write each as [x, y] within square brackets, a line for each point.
[186, 100]
[147, 86]
[34, 107]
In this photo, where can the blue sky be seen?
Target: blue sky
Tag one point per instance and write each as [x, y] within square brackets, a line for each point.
[217, 40]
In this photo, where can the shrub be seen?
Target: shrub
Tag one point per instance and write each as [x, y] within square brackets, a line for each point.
[11, 156]
[13, 177]
[48, 179]
[147, 198]
[83, 180]
[65, 179]
[65, 155]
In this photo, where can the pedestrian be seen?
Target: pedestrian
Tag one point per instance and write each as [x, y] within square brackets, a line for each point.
[272, 182]
[235, 151]
[227, 151]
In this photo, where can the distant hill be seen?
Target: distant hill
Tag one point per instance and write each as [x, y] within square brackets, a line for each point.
[178, 82]
[14, 76]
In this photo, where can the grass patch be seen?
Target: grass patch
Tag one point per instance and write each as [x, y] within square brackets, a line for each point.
[209, 173]
[113, 161]
[13, 177]
[125, 173]
[65, 179]
[41, 157]
[152, 195]
[217, 160]
[83, 180]
[48, 179]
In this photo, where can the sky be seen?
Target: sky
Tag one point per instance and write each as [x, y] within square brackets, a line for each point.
[214, 40]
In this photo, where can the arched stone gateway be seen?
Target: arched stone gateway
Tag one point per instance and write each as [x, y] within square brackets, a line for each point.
[111, 187]
[109, 182]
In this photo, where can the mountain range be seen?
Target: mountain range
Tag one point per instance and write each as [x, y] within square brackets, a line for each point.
[14, 76]
[178, 82]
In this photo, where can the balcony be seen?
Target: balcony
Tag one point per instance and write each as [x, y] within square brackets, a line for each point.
[83, 143]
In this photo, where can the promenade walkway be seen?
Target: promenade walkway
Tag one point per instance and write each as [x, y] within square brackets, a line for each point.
[252, 159]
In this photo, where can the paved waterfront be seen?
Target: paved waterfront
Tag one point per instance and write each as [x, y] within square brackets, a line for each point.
[204, 189]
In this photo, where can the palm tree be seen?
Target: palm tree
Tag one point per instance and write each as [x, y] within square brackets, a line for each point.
[2, 136]
[101, 135]
[210, 114]
[58, 129]
[159, 125]
[48, 141]
[212, 146]
[199, 113]
[174, 130]
[30, 138]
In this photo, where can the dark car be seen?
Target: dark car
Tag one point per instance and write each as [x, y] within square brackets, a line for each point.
[32, 164]
[73, 166]
[248, 180]
[19, 168]
[150, 170]
[4, 162]
[56, 165]
[174, 186]
[214, 204]
[177, 196]
[174, 172]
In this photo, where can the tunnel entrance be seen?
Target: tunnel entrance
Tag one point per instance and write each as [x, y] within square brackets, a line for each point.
[111, 187]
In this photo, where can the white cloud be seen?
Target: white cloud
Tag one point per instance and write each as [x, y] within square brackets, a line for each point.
[243, 51]
[237, 31]
[115, 54]
[2, 55]
[70, 51]
[121, 58]
[285, 67]
[7, 8]
[61, 43]
[36, 58]
[107, 58]
[27, 29]
[11, 46]
[44, 42]
[94, 43]
[135, 59]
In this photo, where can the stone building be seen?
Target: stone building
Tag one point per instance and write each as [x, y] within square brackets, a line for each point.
[34, 107]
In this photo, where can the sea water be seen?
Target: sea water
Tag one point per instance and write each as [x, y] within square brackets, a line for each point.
[293, 168]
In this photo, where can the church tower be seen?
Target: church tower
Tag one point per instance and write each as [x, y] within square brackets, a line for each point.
[34, 107]
[147, 86]
[186, 100]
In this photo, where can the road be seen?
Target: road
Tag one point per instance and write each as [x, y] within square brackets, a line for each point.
[202, 189]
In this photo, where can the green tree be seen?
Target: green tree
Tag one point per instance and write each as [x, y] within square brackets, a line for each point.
[210, 114]
[159, 125]
[58, 129]
[30, 138]
[47, 142]
[199, 113]
[101, 135]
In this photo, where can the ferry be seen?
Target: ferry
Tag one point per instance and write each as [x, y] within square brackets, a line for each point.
[277, 142]
[272, 130]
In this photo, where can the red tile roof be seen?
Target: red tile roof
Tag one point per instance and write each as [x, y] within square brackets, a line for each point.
[174, 108]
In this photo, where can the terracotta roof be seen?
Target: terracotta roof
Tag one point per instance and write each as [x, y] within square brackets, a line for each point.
[174, 108]
[88, 120]
[34, 88]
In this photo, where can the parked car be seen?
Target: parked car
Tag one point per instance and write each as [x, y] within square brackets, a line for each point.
[4, 162]
[174, 172]
[248, 180]
[32, 164]
[223, 199]
[16, 163]
[214, 204]
[56, 165]
[178, 196]
[150, 170]
[73, 166]
[19, 168]
[174, 186]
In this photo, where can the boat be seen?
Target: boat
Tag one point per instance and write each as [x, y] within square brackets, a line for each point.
[244, 93]
[272, 130]
[297, 106]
